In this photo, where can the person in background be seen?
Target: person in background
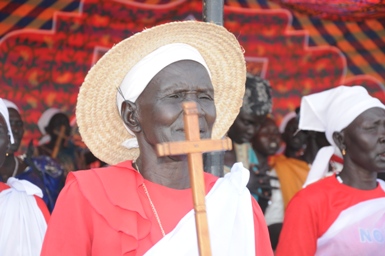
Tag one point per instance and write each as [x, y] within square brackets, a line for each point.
[257, 104]
[266, 143]
[131, 100]
[330, 215]
[23, 214]
[42, 170]
[291, 166]
[57, 142]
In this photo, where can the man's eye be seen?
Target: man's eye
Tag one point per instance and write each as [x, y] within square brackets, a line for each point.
[174, 96]
[205, 97]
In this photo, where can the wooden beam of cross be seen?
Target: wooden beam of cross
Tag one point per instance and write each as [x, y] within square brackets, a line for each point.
[193, 147]
[60, 137]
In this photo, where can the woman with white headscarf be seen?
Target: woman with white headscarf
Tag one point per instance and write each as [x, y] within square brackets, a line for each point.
[23, 214]
[343, 214]
[40, 170]
[130, 101]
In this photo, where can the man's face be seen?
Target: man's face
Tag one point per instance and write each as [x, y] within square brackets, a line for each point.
[4, 139]
[294, 139]
[17, 127]
[267, 139]
[159, 107]
[56, 122]
[244, 127]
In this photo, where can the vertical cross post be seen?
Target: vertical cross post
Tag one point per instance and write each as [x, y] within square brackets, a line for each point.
[60, 136]
[194, 147]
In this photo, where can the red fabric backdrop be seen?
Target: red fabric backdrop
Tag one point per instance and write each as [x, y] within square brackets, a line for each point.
[41, 68]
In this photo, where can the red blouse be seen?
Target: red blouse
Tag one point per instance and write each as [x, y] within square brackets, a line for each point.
[106, 212]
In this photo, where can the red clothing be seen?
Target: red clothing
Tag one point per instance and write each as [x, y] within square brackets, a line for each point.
[39, 201]
[106, 212]
[313, 210]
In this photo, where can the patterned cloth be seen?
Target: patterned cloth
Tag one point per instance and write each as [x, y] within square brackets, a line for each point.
[70, 157]
[353, 10]
[257, 99]
[45, 173]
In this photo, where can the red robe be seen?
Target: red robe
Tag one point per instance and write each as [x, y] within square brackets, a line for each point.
[313, 210]
[106, 212]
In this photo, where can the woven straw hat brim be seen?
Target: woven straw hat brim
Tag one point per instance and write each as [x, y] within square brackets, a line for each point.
[100, 124]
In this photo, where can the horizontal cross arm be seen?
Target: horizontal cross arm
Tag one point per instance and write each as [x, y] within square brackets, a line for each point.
[187, 147]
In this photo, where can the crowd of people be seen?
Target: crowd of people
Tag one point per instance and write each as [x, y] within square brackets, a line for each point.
[306, 185]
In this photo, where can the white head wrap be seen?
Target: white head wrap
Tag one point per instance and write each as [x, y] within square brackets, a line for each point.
[10, 104]
[331, 111]
[43, 122]
[5, 114]
[141, 74]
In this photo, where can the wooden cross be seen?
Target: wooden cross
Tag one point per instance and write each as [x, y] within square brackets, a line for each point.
[193, 147]
[60, 137]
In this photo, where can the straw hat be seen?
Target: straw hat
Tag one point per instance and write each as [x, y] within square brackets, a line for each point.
[99, 121]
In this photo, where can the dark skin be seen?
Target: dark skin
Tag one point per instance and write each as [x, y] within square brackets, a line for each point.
[315, 141]
[265, 143]
[242, 131]
[5, 143]
[157, 117]
[244, 127]
[294, 139]
[53, 129]
[364, 143]
[17, 126]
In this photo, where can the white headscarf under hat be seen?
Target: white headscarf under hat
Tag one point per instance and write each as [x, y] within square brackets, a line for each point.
[141, 74]
[331, 111]
[10, 104]
[285, 121]
[43, 122]
[5, 114]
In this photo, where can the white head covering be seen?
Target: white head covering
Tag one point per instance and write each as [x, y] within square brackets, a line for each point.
[286, 120]
[141, 74]
[10, 104]
[331, 111]
[5, 114]
[44, 122]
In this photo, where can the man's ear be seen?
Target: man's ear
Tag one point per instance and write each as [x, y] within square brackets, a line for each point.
[339, 140]
[129, 116]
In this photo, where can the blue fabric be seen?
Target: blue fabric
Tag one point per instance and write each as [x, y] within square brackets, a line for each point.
[252, 156]
[48, 175]
[253, 160]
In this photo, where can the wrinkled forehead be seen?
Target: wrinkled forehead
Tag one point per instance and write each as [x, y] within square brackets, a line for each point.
[180, 76]
[369, 116]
